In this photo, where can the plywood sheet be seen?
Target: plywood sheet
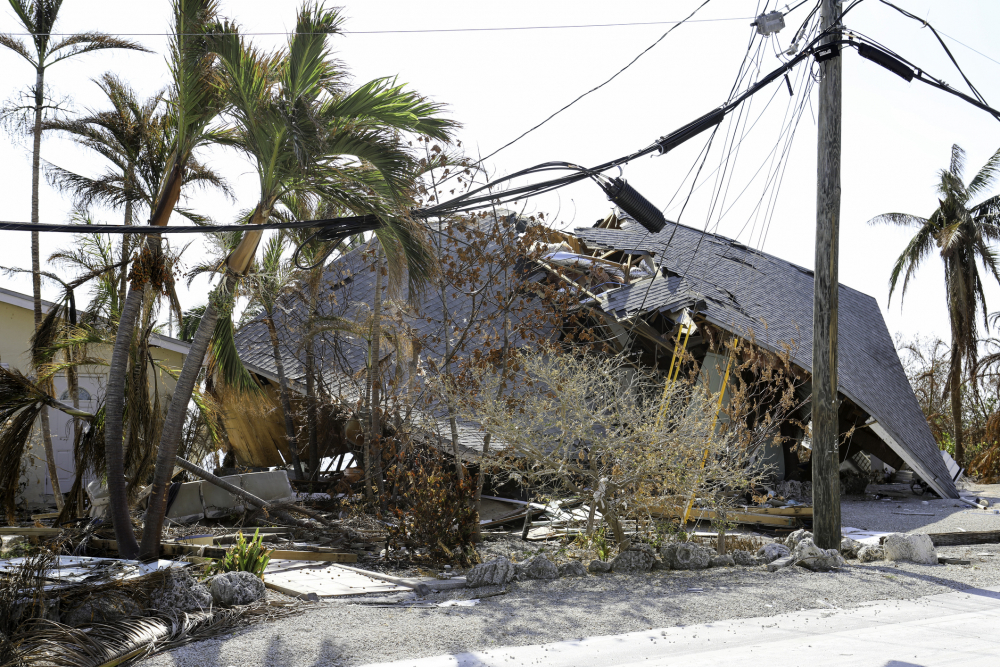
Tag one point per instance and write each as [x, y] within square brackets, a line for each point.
[324, 579]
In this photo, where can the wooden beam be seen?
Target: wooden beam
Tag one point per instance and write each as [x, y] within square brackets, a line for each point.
[29, 531]
[741, 516]
[964, 538]
[174, 549]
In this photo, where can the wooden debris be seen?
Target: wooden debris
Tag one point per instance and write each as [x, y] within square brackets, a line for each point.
[965, 538]
[174, 549]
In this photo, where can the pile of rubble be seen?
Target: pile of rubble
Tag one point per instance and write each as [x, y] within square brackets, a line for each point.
[796, 549]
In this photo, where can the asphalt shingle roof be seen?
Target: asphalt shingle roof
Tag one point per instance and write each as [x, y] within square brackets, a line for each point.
[749, 292]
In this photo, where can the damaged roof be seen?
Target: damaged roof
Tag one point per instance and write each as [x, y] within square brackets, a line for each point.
[753, 294]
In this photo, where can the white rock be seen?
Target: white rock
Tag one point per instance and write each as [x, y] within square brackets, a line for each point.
[773, 551]
[916, 548]
[797, 537]
[236, 588]
[497, 572]
[636, 558]
[180, 592]
[725, 560]
[538, 567]
[573, 568]
[808, 555]
[776, 565]
[599, 566]
[870, 552]
[849, 548]
[687, 556]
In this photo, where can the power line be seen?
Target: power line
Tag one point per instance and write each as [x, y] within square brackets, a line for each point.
[974, 50]
[408, 32]
[599, 86]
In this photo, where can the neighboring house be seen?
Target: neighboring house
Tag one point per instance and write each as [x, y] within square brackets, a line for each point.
[641, 284]
[16, 329]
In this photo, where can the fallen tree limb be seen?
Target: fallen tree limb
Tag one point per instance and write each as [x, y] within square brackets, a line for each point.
[249, 497]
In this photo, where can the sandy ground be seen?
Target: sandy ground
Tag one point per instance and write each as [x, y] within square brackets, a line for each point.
[357, 631]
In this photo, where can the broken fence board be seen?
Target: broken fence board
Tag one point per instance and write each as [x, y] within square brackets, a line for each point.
[965, 538]
[29, 531]
[173, 549]
[744, 517]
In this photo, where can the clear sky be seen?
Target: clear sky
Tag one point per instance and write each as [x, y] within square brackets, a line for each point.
[897, 135]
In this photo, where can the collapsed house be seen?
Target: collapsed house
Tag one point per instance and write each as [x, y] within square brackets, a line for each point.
[637, 284]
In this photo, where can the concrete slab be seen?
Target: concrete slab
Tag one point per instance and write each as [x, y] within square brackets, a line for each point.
[324, 579]
[219, 502]
[956, 628]
[188, 505]
[272, 486]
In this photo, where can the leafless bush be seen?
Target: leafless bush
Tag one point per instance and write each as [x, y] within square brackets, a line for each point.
[595, 425]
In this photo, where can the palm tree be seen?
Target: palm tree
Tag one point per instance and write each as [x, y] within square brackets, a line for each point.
[304, 134]
[963, 232]
[39, 19]
[266, 285]
[134, 137]
[194, 103]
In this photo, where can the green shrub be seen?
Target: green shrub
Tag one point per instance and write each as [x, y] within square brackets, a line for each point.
[245, 556]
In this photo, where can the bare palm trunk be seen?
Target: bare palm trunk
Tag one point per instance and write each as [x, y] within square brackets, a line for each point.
[123, 279]
[237, 263]
[956, 404]
[174, 422]
[311, 410]
[373, 448]
[311, 386]
[286, 403]
[36, 273]
[128, 547]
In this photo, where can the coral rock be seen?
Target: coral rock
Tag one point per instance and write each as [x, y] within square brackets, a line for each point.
[496, 572]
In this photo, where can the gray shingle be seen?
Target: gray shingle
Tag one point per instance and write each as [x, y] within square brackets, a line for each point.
[749, 292]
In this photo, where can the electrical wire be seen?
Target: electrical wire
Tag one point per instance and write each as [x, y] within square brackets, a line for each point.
[943, 46]
[413, 31]
[600, 85]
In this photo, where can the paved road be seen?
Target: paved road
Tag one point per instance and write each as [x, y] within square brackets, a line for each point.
[961, 628]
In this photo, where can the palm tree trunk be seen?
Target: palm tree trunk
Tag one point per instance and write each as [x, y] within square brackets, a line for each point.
[237, 263]
[311, 417]
[311, 410]
[128, 547]
[286, 403]
[373, 450]
[36, 271]
[173, 424]
[123, 279]
[956, 404]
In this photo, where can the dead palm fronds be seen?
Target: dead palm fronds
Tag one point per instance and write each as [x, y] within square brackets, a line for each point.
[21, 601]
[44, 642]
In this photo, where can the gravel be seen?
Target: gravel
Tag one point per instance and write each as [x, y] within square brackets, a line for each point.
[356, 631]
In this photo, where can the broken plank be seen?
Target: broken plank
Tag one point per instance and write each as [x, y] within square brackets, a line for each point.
[965, 538]
[698, 514]
[173, 549]
[29, 531]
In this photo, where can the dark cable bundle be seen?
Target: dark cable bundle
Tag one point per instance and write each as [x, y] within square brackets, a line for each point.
[629, 200]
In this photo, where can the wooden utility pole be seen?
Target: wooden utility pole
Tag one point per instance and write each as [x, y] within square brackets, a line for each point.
[825, 436]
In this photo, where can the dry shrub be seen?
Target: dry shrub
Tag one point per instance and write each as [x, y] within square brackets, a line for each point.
[986, 466]
[433, 508]
[595, 425]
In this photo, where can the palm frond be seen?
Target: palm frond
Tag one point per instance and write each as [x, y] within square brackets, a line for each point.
[985, 177]
[225, 362]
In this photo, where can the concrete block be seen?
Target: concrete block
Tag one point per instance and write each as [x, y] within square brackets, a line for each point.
[188, 505]
[219, 502]
[271, 486]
